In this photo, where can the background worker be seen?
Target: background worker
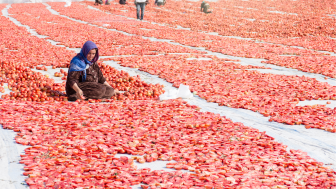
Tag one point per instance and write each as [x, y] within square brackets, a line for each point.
[160, 2]
[98, 2]
[140, 4]
[205, 7]
[122, 2]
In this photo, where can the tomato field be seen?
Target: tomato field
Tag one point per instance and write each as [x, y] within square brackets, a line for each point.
[231, 60]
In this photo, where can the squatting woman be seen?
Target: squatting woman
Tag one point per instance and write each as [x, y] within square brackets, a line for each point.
[85, 79]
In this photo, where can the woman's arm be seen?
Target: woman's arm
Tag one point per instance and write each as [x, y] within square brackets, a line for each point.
[73, 79]
[79, 92]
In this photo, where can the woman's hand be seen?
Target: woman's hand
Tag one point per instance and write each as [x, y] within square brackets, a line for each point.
[116, 91]
[107, 84]
[79, 92]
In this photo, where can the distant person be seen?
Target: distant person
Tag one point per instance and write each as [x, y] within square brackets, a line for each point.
[160, 2]
[140, 4]
[205, 7]
[122, 2]
[98, 2]
[107, 2]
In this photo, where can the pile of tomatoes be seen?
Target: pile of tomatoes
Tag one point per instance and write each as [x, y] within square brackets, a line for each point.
[74, 145]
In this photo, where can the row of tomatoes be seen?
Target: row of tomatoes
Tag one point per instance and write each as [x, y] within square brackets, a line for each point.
[180, 72]
[168, 69]
[307, 60]
[74, 34]
[34, 86]
[230, 46]
[193, 38]
[234, 86]
[262, 20]
[74, 145]
[248, 100]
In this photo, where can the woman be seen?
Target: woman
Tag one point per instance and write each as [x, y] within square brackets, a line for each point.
[85, 79]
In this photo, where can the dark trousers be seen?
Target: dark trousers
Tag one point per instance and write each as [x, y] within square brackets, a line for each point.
[142, 7]
[92, 90]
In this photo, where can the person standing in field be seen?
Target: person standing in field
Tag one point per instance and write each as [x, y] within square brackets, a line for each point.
[140, 5]
[205, 7]
[98, 2]
[160, 2]
[122, 2]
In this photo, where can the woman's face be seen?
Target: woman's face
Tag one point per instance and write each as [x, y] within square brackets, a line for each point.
[91, 55]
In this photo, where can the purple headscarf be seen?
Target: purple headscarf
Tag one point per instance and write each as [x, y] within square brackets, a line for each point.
[87, 47]
[79, 62]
